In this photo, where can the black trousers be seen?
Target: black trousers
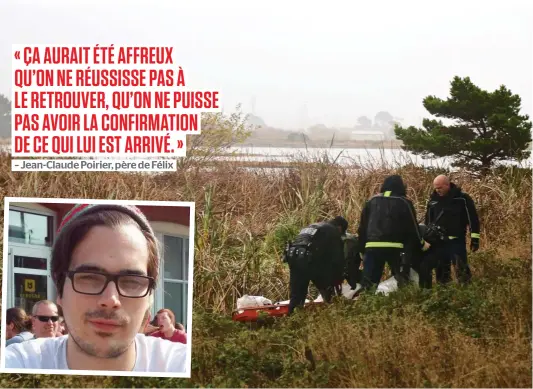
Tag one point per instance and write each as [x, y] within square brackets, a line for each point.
[353, 273]
[301, 273]
[374, 263]
[440, 258]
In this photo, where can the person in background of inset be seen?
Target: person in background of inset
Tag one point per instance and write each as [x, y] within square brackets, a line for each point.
[388, 229]
[45, 319]
[105, 263]
[150, 326]
[168, 328]
[18, 326]
[181, 329]
[450, 210]
[61, 328]
[316, 255]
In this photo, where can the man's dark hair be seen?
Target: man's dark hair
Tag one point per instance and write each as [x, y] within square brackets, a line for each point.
[395, 185]
[77, 229]
[19, 318]
[340, 222]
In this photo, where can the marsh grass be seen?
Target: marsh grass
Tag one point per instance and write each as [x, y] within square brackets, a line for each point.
[479, 336]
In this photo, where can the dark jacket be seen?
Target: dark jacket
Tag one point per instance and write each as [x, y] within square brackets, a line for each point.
[458, 211]
[327, 249]
[389, 219]
[352, 274]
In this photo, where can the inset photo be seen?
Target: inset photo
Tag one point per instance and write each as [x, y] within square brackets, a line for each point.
[97, 287]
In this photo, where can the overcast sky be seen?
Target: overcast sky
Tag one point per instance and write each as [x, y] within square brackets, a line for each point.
[340, 59]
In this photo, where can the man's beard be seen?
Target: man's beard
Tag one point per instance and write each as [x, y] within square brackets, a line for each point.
[114, 349]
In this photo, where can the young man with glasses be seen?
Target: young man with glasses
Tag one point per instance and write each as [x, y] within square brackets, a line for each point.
[104, 263]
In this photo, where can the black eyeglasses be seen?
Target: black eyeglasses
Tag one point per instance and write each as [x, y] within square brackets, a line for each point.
[45, 319]
[94, 283]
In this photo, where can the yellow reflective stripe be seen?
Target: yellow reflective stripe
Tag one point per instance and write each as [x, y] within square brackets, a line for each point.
[452, 237]
[387, 193]
[474, 235]
[384, 244]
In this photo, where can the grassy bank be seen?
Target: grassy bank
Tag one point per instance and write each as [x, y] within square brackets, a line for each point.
[478, 336]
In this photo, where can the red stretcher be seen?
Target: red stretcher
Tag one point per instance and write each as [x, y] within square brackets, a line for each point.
[251, 314]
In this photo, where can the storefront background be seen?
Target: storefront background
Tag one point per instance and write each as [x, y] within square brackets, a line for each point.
[31, 234]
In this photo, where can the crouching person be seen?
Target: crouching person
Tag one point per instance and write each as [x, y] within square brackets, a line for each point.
[316, 255]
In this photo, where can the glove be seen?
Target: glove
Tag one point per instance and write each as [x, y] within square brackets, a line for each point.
[426, 246]
[474, 244]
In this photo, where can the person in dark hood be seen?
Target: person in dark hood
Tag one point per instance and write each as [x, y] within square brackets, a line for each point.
[394, 184]
[449, 211]
[388, 229]
[316, 255]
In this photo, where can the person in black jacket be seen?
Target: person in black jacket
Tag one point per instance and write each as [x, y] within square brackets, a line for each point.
[353, 259]
[450, 210]
[317, 255]
[388, 228]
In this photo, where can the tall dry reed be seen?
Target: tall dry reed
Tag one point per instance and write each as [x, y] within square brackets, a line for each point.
[476, 337]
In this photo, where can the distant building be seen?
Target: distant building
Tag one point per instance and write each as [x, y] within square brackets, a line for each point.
[256, 121]
[367, 135]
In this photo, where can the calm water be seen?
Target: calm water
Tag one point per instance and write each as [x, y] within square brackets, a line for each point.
[362, 157]
[340, 155]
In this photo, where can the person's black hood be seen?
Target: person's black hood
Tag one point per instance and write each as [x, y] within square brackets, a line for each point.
[394, 184]
[341, 222]
[454, 191]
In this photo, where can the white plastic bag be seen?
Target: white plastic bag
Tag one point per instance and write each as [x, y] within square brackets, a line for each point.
[391, 285]
[346, 291]
[387, 286]
[252, 301]
[286, 302]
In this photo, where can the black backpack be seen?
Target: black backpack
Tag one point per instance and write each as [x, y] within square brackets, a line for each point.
[305, 245]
